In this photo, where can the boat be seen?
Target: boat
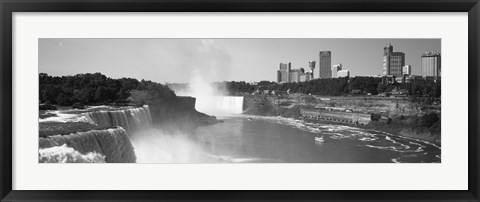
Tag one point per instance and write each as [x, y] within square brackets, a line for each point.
[319, 139]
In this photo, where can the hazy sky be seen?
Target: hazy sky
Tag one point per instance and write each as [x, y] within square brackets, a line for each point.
[178, 60]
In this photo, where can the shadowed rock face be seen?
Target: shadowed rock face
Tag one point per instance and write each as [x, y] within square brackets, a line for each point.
[113, 143]
[179, 113]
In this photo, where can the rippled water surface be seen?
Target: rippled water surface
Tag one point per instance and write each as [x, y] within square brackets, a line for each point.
[274, 139]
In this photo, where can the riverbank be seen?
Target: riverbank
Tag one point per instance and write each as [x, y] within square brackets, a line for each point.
[393, 128]
[402, 117]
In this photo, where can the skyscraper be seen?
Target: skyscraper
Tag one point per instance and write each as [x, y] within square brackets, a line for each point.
[393, 62]
[431, 64]
[325, 64]
[311, 65]
[283, 72]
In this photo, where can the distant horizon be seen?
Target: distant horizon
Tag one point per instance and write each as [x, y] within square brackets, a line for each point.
[218, 60]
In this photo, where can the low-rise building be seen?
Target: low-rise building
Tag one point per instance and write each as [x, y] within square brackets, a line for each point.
[343, 73]
[407, 70]
[414, 79]
[388, 79]
[335, 69]
[337, 115]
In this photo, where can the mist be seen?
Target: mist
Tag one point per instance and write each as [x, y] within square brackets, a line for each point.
[157, 146]
[211, 63]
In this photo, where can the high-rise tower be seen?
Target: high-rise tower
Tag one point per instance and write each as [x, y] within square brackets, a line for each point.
[325, 64]
[311, 65]
[393, 62]
[431, 64]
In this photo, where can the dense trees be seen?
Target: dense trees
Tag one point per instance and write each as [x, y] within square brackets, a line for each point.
[338, 87]
[88, 89]
[96, 89]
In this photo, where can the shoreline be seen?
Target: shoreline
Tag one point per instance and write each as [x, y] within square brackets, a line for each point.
[364, 127]
[374, 126]
[376, 129]
[403, 118]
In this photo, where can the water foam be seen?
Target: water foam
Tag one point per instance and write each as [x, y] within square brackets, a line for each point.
[113, 143]
[394, 143]
[157, 146]
[128, 118]
[64, 154]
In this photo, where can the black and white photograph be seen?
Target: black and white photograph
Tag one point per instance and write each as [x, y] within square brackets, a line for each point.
[239, 100]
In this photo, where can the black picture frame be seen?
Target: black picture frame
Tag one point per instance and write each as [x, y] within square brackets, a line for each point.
[8, 7]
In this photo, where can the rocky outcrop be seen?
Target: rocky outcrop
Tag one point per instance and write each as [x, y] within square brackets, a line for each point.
[178, 113]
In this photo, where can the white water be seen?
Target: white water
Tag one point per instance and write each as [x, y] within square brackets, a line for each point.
[156, 146]
[219, 105]
[113, 143]
[130, 119]
[64, 154]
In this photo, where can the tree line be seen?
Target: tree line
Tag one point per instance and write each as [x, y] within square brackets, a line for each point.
[96, 88]
[337, 87]
[92, 89]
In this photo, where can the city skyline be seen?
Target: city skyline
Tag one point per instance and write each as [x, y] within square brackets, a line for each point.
[178, 60]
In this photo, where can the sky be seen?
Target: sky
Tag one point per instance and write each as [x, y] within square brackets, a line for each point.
[180, 60]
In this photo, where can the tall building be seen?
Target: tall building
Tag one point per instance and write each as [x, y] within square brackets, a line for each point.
[343, 73]
[325, 64]
[283, 73]
[407, 70]
[286, 74]
[295, 75]
[393, 62]
[335, 69]
[431, 64]
[311, 65]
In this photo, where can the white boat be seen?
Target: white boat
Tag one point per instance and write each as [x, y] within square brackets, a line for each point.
[319, 139]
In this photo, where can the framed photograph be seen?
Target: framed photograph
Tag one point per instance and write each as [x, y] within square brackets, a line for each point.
[239, 101]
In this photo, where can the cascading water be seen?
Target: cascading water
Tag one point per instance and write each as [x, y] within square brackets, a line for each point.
[112, 143]
[219, 105]
[130, 119]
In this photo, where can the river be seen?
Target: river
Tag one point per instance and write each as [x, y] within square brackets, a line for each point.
[256, 139]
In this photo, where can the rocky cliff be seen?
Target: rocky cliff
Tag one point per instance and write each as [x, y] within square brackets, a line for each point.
[178, 113]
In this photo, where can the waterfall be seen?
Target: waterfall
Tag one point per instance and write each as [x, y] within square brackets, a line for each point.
[113, 143]
[131, 119]
[231, 104]
[220, 104]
